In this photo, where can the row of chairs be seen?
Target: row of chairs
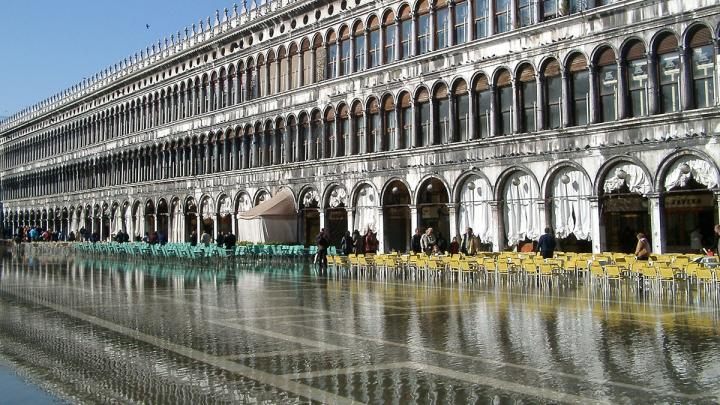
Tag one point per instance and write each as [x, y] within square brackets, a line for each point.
[185, 250]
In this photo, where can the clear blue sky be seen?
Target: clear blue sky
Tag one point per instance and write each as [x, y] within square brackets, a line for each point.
[49, 45]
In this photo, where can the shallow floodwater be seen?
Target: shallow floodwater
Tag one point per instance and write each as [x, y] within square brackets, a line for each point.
[103, 329]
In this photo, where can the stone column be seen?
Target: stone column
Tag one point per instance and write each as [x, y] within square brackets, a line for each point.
[301, 67]
[453, 121]
[353, 68]
[451, 23]
[597, 228]
[366, 54]
[657, 224]
[321, 213]
[380, 230]
[621, 89]
[498, 237]
[398, 40]
[198, 225]
[653, 84]
[381, 43]
[313, 68]
[492, 124]
[215, 225]
[413, 37]
[278, 71]
[413, 218]
[491, 18]
[686, 86]
[350, 218]
[515, 111]
[565, 110]
[288, 77]
[433, 30]
[593, 98]
[452, 215]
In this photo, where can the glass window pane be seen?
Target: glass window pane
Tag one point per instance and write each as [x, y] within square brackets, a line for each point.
[406, 38]
[669, 74]
[502, 15]
[608, 90]
[460, 22]
[580, 88]
[529, 100]
[443, 24]
[374, 49]
[424, 33]
[481, 14]
[703, 70]
[505, 101]
[390, 44]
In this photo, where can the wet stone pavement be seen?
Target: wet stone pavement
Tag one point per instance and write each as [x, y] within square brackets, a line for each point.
[95, 329]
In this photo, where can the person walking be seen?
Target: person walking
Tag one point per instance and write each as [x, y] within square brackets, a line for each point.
[454, 246]
[371, 244]
[322, 244]
[469, 243]
[346, 244]
[230, 240]
[193, 238]
[717, 240]
[220, 240]
[205, 239]
[428, 241]
[358, 243]
[642, 250]
[546, 244]
[415, 241]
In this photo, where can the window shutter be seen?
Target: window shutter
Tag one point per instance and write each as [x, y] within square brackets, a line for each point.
[441, 91]
[358, 109]
[330, 115]
[667, 44]
[359, 29]
[389, 104]
[389, 18]
[460, 87]
[552, 69]
[405, 100]
[482, 83]
[635, 51]
[423, 96]
[527, 74]
[374, 23]
[343, 112]
[701, 37]
[606, 58]
[578, 63]
[504, 79]
[423, 7]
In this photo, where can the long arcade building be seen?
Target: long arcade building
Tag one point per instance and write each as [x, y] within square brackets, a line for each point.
[598, 118]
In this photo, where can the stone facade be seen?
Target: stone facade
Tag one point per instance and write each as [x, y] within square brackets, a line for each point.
[598, 120]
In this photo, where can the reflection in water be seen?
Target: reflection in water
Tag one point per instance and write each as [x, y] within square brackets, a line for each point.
[107, 329]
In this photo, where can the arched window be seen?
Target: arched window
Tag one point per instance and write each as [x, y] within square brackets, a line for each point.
[359, 129]
[480, 18]
[294, 64]
[261, 78]
[345, 55]
[271, 72]
[528, 98]
[442, 115]
[483, 100]
[579, 88]
[405, 33]
[222, 90]
[306, 63]
[461, 21]
[282, 63]
[637, 78]
[303, 138]
[668, 71]
[504, 103]
[502, 16]
[442, 24]
[320, 55]
[406, 123]
[703, 67]
[388, 140]
[230, 89]
[389, 37]
[252, 81]
[607, 84]
[316, 138]
[359, 43]
[553, 94]
[343, 137]
[423, 27]
[329, 138]
[331, 58]
[462, 112]
[374, 131]
[374, 45]
[422, 106]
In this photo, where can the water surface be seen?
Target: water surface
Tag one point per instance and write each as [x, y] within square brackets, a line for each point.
[107, 329]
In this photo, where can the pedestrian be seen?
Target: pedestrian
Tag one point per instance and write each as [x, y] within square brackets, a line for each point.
[415, 241]
[193, 238]
[358, 243]
[428, 241]
[71, 236]
[371, 242]
[441, 242]
[717, 240]
[469, 244]
[161, 238]
[322, 244]
[205, 239]
[454, 246]
[546, 244]
[346, 244]
[230, 240]
[220, 240]
[642, 250]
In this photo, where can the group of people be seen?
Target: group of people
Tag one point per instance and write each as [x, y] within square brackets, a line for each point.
[432, 242]
[37, 234]
[223, 239]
